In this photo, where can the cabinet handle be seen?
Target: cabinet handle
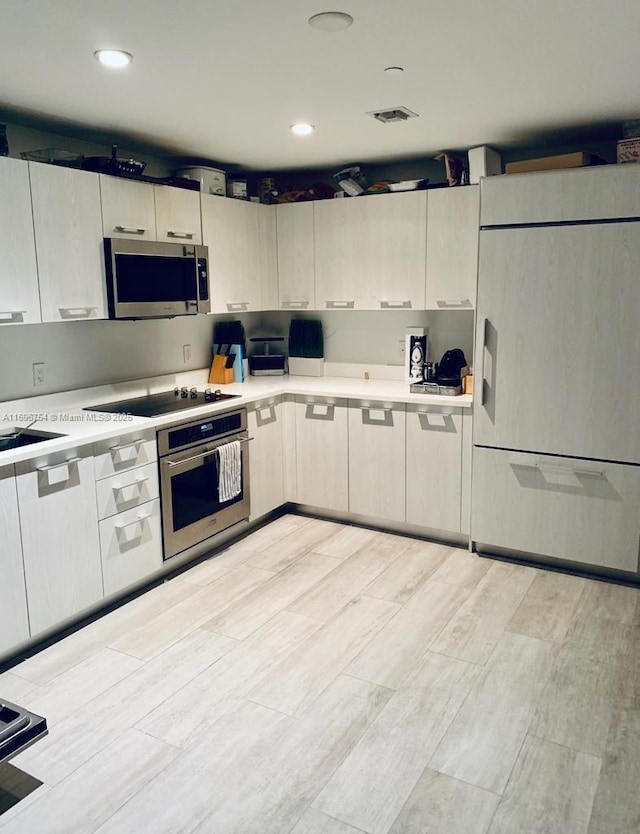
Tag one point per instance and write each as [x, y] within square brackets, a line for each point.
[57, 473]
[12, 316]
[395, 305]
[339, 305]
[122, 525]
[237, 306]
[77, 312]
[129, 230]
[554, 468]
[372, 416]
[294, 305]
[445, 303]
[326, 414]
[483, 347]
[137, 482]
[124, 446]
[181, 235]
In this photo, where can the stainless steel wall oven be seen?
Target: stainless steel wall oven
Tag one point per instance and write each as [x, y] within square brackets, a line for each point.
[189, 461]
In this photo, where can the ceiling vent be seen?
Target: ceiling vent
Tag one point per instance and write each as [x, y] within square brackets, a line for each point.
[393, 114]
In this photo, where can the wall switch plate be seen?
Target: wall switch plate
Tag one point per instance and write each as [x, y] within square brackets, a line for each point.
[38, 374]
[186, 353]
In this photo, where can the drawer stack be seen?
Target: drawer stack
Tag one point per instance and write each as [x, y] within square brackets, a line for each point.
[127, 493]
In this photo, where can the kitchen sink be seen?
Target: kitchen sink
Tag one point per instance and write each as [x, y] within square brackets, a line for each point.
[19, 729]
[13, 438]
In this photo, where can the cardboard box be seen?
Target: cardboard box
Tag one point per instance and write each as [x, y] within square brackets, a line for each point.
[549, 163]
[629, 150]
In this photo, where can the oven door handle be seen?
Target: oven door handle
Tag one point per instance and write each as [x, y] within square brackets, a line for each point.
[172, 463]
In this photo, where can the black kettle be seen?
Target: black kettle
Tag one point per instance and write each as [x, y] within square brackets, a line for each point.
[448, 369]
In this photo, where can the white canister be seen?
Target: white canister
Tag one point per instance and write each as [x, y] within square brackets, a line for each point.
[212, 180]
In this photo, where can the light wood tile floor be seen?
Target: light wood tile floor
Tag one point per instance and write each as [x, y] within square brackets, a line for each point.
[318, 678]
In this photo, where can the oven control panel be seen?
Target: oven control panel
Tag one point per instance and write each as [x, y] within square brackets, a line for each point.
[198, 431]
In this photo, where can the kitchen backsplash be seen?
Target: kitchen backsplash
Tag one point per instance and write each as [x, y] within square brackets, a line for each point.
[82, 354]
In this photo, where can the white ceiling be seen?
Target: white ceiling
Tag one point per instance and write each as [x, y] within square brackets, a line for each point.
[224, 79]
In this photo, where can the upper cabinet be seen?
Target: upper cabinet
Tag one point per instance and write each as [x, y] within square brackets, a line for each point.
[68, 232]
[177, 215]
[370, 252]
[295, 256]
[19, 299]
[152, 212]
[452, 248]
[242, 254]
[128, 208]
[601, 193]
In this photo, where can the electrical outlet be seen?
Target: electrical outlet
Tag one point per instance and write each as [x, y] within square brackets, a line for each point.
[38, 373]
[186, 353]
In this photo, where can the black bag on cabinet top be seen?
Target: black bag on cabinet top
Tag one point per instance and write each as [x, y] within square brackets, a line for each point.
[449, 367]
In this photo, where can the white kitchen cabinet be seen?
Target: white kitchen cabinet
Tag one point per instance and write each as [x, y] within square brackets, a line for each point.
[131, 546]
[377, 460]
[452, 248]
[266, 459]
[14, 620]
[128, 489]
[557, 353]
[68, 233]
[322, 453]
[177, 215]
[19, 298]
[581, 511]
[434, 466]
[235, 231]
[267, 256]
[127, 451]
[295, 256]
[59, 526]
[370, 251]
[128, 208]
[603, 192]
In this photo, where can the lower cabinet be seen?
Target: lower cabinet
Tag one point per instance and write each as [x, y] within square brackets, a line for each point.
[575, 510]
[60, 543]
[14, 621]
[266, 461]
[322, 453]
[434, 466]
[127, 494]
[131, 546]
[377, 460]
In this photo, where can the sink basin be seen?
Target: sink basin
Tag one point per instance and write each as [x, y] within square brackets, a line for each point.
[19, 729]
[10, 439]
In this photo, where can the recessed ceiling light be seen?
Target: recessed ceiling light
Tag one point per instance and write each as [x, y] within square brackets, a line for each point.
[302, 129]
[113, 58]
[330, 21]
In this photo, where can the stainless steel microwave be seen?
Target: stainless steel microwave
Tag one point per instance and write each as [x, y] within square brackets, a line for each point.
[148, 280]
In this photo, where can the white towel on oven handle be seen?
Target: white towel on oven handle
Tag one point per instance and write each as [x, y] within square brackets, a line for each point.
[229, 471]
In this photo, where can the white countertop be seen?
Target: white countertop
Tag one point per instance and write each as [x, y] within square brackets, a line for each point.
[62, 413]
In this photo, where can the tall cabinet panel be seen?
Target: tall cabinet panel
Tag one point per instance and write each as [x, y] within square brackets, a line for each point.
[452, 248]
[19, 300]
[14, 622]
[295, 256]
[557, 353]
[370, 252]
[67, 219]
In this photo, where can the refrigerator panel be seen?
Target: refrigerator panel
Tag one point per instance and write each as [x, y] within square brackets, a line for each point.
[558, 341]
[575, 510]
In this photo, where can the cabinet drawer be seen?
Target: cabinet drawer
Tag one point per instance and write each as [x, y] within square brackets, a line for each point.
[577, 510]
[126, 490]
[131, 546]
[127, 451]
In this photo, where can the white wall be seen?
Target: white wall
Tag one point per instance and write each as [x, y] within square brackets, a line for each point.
[80, 354]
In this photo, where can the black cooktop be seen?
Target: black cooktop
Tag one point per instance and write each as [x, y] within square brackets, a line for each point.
[153, 405]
